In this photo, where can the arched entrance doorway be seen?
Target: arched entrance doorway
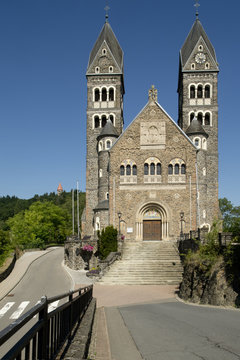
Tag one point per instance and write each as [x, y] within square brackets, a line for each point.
[152, 225]
[152, 222]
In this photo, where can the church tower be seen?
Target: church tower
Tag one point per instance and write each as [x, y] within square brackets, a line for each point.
[105, 90]
[198, 115]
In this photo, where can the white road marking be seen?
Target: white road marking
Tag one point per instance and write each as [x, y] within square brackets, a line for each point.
[20, 309]
[6, 308]
[53, 306]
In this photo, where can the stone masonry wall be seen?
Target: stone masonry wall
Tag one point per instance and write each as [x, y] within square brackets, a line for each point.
[172, 197]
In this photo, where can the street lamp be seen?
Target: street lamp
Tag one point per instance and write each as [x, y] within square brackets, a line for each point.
[182, 220]
[119, 218]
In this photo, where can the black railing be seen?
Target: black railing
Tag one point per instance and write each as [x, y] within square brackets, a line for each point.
[51, 331]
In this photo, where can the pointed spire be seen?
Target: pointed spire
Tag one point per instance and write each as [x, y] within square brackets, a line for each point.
[193, 37]
[107, 35]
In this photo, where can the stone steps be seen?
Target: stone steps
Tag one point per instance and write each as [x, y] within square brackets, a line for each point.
[146, 263]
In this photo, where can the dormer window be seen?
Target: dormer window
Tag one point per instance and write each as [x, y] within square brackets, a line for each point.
[193, 66]
[110, 69]
[200, 48]
[104, 51]
[97, 69]
[207, 65]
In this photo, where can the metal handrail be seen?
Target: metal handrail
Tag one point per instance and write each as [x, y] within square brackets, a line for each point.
[45, 338]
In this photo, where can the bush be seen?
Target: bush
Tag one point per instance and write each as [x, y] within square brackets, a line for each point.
[107, 241]
[209, 252]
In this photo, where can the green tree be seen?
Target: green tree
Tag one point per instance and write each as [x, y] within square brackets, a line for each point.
[231, 217]
[42, 224]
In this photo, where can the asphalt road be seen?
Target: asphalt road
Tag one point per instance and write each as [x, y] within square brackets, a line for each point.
[45, 276]
[176, 331]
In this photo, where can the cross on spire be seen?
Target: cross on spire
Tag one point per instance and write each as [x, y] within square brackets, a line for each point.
[197, 6]
[106, 9]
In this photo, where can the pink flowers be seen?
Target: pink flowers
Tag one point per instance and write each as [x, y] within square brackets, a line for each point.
[88, 248]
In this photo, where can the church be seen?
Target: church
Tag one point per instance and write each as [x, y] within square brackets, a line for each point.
[157, 178]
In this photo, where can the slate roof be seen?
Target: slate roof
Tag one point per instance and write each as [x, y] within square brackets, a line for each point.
[103, 205]
[195, 33]
[107, 34]
[108, 130]
[195, 128]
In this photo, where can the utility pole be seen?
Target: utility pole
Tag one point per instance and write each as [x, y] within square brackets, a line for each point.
[73, 211]
[78, 223]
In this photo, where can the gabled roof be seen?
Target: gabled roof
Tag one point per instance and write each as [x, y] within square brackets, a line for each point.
[172, 121]
[107, 35]
[195, 128]
[194, 35]
[108, 130]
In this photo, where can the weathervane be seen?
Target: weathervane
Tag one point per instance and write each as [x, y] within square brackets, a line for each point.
[106, 9]
[197, 6]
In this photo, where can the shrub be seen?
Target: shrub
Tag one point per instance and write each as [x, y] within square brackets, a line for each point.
[107, 241]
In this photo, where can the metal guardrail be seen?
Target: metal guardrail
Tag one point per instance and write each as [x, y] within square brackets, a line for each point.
[47, 336]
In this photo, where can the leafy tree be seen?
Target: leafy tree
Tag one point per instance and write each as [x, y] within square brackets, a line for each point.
[231, 217]
[107, 241]
[40, 225]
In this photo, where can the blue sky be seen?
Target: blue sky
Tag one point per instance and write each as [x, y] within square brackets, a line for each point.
[44, 50]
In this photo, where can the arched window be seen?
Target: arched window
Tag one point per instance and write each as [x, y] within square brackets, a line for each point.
[170, 169]
[128, 170]
[107, 196]
[108, 144]
[158, 169]
[192, 116]
[192, 92]
[100, 146]
[152, 169]
[207, 119]
[200, 91]
[111, 94]
[100, 173]
[111, 118]
[104, 120]
[97, 70]
[96, 122]
[110, 69]
[197, 142]
[200, 117]
[96, 95]
[176, 169]
[134, 169]
[145, 169]
[183, 169]
[104, 94]
[122, 170]
[207, 91]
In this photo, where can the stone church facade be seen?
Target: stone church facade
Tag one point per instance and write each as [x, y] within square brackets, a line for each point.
[157, 177]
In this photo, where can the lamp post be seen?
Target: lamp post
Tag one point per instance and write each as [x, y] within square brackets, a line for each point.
[119, 223]
[182, 220]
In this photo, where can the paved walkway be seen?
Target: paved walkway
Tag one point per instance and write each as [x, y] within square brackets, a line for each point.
[111, 339]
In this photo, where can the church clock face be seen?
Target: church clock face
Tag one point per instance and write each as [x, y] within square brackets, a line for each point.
[200, 58]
